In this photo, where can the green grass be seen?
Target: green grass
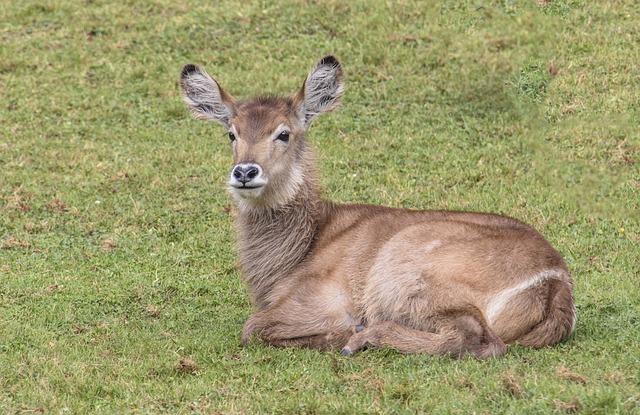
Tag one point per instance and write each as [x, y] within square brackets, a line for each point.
[118, 286]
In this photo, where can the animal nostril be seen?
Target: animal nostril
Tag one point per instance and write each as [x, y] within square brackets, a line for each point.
[252, 172]
[245, 173]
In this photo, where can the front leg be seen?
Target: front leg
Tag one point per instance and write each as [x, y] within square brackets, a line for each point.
[323, 333]
[461, 333]
[327, 341]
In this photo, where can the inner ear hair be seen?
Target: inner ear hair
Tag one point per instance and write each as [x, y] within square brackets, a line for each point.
[322, 90]
[204, 96]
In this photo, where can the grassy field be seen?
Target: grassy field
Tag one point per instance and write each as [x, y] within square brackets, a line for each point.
[118, 286]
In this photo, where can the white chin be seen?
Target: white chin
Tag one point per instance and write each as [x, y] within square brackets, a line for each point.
[251, 193]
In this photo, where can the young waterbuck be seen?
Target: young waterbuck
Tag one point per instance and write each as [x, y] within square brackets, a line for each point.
[353, 276]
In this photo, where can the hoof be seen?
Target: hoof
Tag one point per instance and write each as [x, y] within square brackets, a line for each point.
[346, 352]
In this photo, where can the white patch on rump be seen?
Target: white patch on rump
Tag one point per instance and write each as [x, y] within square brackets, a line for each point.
[500, 300]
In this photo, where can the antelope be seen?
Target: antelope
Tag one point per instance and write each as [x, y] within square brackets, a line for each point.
[351, 276]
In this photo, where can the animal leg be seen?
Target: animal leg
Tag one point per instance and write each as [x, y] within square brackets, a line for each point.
[326, 341]
[458, 336]
[276, 330]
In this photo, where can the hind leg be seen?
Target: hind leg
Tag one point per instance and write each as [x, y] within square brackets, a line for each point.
[540, 315]
[459, 334]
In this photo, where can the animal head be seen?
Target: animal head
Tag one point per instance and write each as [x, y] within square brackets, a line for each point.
[267, 134]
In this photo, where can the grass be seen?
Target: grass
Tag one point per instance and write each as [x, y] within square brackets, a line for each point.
[118, 286]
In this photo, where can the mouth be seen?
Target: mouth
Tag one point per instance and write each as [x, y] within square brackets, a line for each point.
[243, 186]
[246, 192]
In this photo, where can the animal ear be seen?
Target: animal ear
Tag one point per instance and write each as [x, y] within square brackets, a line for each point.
[204, 97]
[321, 91]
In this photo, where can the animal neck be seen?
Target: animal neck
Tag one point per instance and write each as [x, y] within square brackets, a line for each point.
[272, 240]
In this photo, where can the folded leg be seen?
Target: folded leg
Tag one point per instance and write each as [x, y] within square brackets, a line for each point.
[284, 329]
[459, 334]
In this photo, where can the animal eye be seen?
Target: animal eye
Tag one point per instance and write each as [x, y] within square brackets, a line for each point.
[232, 136]
[284, 136]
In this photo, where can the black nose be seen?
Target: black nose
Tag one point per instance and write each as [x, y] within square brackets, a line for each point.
[245, 173]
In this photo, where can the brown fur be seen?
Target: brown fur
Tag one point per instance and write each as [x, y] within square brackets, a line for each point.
[333, 276]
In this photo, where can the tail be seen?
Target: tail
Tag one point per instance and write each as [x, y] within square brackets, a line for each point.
[560, 319]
